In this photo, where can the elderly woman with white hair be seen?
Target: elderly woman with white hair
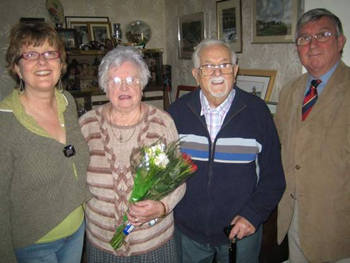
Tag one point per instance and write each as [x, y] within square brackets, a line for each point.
[113, 131]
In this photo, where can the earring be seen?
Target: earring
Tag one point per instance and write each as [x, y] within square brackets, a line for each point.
[21, 85]
[60, 86]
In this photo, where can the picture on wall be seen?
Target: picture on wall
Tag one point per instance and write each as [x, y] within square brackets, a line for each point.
[190, 33]
[274, 21]
[228, 20]
[256, 81]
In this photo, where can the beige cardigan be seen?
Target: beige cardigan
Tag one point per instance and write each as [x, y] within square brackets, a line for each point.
[110, 180]
[316, 160]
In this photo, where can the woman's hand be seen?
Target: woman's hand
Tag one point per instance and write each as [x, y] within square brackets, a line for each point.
[144, 211]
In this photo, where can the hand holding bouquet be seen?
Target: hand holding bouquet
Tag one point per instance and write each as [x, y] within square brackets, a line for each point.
[159, 170]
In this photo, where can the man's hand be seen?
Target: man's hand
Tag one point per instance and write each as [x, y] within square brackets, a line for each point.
[242, 228]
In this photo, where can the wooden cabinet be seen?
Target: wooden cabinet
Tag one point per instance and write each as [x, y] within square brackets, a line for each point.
[82, 82]
[154, 60]
[82, 70]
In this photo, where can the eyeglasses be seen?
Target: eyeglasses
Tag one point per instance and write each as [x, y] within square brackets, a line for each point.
[33, 55]
[320, 37]
[209, 69]
[128, 81]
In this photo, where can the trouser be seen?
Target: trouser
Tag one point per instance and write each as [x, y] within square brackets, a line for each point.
[64, 250]
[190, 251]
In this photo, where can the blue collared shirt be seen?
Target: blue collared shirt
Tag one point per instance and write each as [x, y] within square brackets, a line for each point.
[324, 78]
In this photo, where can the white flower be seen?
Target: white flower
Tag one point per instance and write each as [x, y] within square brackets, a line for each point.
[161, 160]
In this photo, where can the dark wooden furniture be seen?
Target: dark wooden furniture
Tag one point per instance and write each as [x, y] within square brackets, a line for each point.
[184, 88]
[82, 82]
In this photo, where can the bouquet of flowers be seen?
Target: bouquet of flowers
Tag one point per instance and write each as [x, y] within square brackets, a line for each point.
[159, 170]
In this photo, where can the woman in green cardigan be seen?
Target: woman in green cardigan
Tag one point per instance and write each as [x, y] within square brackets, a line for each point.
[43, 154]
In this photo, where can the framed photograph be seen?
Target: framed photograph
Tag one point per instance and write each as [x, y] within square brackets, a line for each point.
[257, 82]
[69, 37]
[82, 31]
[85, 19]
[100, 31]
[190, 32]
[274, 23]
[229, 23]
[82, 25]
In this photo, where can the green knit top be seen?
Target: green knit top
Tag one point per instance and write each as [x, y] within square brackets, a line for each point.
[39, 185]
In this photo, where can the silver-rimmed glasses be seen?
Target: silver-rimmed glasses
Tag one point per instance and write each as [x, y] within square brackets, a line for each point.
[128, 81]
[209, 69]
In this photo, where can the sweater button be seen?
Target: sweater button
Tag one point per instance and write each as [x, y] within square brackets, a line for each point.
[292, 196]
[297, 167]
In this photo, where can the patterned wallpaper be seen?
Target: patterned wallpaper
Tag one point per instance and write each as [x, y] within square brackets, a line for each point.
[162, 16]
[280, 57]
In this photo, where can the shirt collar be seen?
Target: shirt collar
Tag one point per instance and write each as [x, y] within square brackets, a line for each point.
[324, 78]
[223, 107]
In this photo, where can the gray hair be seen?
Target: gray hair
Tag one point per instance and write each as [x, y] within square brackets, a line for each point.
[115, 58]
[210, 42]
[316, 14]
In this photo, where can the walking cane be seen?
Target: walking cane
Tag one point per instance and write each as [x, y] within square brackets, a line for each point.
[232, 249]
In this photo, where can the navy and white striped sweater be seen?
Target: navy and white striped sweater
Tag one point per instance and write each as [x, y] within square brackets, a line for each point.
[240, 173]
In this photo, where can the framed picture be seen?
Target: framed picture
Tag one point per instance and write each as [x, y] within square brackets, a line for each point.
[257, 82]
[274, 23]
[100, 31]
[85, 19]
[69, 37]
[229, 23]
[82, 25]
[190, 33]
[83, 32]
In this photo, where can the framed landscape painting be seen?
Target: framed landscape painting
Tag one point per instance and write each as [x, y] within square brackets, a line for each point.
[274, 23]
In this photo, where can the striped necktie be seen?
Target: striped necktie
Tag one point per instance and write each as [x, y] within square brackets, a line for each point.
[310, 98]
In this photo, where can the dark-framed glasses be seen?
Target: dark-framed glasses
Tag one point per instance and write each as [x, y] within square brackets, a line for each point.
[33, 55]
[128, 81]
[305, 39]
[209, 69]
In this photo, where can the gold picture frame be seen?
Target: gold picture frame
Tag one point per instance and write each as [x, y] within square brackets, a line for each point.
[229, 23]
[256, 81]
[274, 23]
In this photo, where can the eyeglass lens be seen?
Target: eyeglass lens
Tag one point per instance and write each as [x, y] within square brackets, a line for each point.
[209, 69]
[129, 81]
[33, 55]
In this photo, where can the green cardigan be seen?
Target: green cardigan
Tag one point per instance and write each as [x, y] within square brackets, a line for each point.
[38, 187]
